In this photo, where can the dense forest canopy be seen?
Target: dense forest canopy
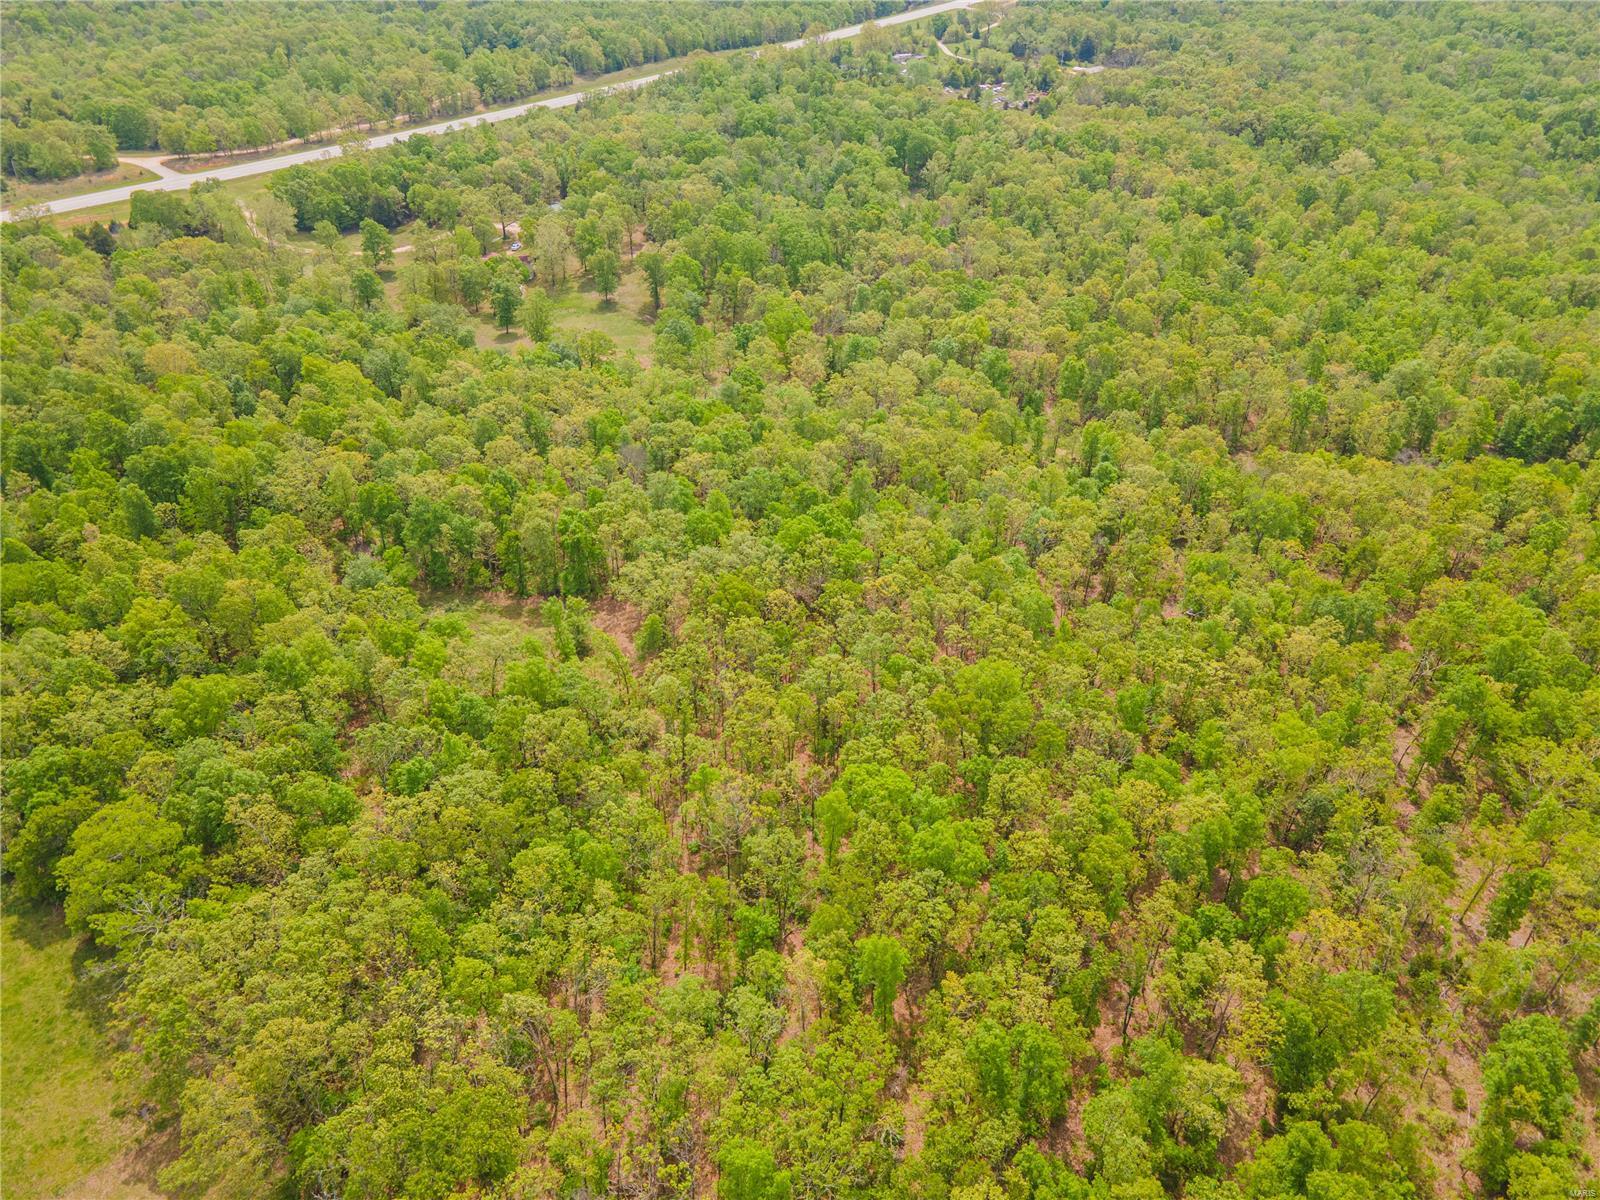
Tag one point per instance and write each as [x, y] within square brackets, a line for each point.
[87, 81]
[1065, 668]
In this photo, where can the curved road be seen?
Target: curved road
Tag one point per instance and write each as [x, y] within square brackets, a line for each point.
[174, 182]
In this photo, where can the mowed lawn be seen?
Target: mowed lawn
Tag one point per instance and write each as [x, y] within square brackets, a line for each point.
[626, 318]
[19, 195]
[64, 1132]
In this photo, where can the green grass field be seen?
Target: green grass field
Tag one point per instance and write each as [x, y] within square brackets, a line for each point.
[625, 318]
[19, 194]
[64, 1131]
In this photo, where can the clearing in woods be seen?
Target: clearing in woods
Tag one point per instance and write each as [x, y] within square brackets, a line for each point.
[66, 1129]
[625, 318]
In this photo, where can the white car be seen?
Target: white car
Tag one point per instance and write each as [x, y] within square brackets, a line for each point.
[516, 245]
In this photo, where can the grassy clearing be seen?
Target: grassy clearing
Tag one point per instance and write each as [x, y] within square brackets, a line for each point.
[625, 318]
[104, 213]
[19, 195]
[496, 614]
[499, 625]
[350, 243]
[486, 335]
[66, 1131]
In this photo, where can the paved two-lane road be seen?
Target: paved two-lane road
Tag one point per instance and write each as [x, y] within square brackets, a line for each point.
[265, 166]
